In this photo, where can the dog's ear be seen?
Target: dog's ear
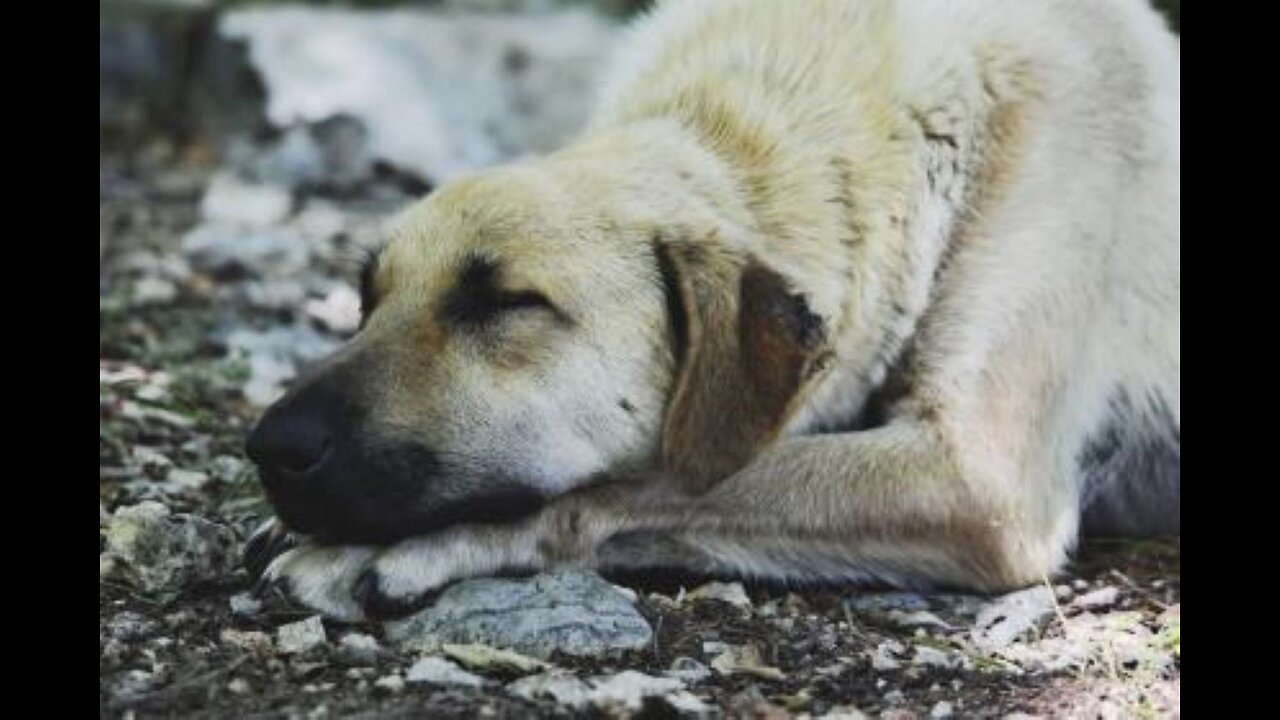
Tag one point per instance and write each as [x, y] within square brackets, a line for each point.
[746, 350]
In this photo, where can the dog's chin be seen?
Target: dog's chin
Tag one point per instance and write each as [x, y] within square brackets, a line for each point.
[390, 525]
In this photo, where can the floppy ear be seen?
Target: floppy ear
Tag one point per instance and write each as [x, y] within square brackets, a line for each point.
[747, 349]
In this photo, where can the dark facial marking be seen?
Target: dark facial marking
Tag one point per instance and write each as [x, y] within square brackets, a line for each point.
[478, 299]
[626, 405]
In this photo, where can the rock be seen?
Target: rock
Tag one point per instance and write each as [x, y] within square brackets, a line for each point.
[1012, 616]
[575, 612]
[1097, 600]
[232, 251]
[731, 593]
[942, 709]
[933, 657]
[1114, 639]
[181, 479]
[301, 636]
[392, 683]
[245, 604]
[745, 660]
[232, 200]
[275, 356]
[884, 602]
[439, 671]
[359, 649]
[483, 657]
[629, 688]
[688, 670]
[133, 683]
[433, 94]
[152, 290]
[339, 311]
[714, 647]
[254, 641]
[558, 685]
[884, 659]
[130, 627]
[958, 606]
[917, 618]
[238, 686]
[157, 552]
[624, 691]
[228, 469]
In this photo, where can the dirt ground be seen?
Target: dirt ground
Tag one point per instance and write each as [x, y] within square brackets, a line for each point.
[174, 411]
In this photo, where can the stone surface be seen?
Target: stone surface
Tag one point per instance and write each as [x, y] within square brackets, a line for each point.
[1012, 616]
[301, 636]
[160, 552]
[438, 671]
[575, 612]
[435, 94]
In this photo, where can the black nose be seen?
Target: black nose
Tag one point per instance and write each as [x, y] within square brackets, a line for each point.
[296, 448]
[289, 441]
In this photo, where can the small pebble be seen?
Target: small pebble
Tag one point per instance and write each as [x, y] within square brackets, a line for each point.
[301, 636]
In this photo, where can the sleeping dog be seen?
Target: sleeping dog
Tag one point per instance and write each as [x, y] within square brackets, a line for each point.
[836, 290]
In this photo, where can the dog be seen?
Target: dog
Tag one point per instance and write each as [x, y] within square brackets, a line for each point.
[848, 291]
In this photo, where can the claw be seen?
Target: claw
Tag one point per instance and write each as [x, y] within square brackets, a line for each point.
[267, 543]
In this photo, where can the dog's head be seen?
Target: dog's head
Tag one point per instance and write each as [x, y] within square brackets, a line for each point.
[519, 340]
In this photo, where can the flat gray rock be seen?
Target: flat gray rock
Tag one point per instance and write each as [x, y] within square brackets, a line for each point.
[1011, 617]
[575, 612]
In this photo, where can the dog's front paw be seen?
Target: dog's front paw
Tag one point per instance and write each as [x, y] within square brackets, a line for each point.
[321, 577]
[405, 577]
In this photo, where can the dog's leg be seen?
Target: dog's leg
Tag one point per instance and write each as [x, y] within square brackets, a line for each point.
[896, 504]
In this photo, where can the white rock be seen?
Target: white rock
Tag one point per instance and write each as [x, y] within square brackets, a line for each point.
[1013, 616]
[732, 593]
[437, 94]
[301, 636]
[392, 683]
[558, 685]
[1097, 599]
[942, 709]
[916, 618]
[152, 290]
[359, 648]
[229, 199]
[933, 657]
[438, 671]
[688, 670]
[186, 479]
[629, 688]
[245, 604]
[339, 311]
[883, 658]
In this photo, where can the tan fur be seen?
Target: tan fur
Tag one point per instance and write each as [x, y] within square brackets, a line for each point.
[975, 203]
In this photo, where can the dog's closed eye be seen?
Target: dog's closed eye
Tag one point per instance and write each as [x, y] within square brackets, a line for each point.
[478, 300]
